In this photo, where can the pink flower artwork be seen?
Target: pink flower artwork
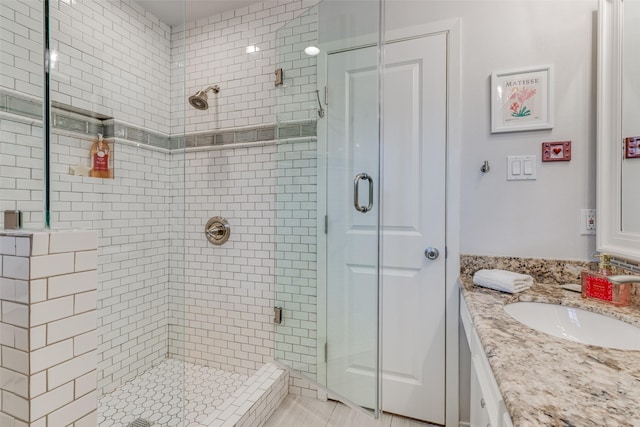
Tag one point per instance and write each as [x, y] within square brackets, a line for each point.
[521, 94]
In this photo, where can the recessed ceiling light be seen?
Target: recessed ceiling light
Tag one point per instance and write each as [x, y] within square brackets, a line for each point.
[311, 50]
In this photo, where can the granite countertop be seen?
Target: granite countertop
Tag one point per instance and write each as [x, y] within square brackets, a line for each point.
[548, 381]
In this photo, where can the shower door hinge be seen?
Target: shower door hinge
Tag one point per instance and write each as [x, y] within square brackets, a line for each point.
[326, 95]
[279, 77]
[326, 354]
[277, 315]
[326, 224]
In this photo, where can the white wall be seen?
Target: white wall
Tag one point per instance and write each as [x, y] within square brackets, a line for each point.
[530, 219]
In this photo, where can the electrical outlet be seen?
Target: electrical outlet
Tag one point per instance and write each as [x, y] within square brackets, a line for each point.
[587, 221]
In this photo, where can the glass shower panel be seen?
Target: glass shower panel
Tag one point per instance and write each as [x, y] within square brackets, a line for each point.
[176, 316]
[21, 111]
[327, 204]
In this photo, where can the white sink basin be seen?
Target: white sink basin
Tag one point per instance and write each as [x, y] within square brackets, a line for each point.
[576, 324]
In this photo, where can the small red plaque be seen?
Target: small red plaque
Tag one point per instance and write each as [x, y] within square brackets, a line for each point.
[632, 147]
[556, 151]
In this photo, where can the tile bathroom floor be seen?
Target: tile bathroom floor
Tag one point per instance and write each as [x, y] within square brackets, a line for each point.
[297, 411]
[167, 394]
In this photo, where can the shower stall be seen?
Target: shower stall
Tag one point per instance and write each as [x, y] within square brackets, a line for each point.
[119, 307]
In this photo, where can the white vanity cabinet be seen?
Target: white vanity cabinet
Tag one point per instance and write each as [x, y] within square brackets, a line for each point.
[487, 406]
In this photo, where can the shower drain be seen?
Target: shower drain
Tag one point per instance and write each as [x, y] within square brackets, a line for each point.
[139, 423]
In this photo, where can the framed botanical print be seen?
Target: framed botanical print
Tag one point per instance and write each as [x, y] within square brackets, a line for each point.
[522, 99]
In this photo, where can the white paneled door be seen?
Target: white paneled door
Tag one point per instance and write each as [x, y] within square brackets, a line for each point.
[413, 159]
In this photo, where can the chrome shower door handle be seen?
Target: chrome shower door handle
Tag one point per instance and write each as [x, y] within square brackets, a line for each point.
[356, 202]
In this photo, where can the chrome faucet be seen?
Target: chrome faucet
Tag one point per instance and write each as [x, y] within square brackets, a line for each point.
[620, 279]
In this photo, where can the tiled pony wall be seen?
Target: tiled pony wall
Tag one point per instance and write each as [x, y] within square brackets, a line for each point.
[163, 289]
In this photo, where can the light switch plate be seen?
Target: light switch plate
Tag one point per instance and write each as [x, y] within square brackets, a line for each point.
[521, 168]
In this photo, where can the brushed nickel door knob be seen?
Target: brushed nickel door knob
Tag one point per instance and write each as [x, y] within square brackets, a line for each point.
[431, 253]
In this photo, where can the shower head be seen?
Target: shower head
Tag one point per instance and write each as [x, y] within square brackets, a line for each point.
[199, 100]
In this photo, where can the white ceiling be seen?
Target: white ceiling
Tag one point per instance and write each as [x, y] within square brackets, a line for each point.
[176, 12]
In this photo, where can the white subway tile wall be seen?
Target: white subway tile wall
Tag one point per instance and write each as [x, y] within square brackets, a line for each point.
[48, 338]
[237, 51]
[223, 315]
[224, 308]
[295, 256]
[116, 59]
[112, 58]
[131, 216]
[21, 167]
[22, 59]
[297, 99]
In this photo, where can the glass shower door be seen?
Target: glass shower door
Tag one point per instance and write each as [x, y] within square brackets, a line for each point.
[351, 262]
[327, 204]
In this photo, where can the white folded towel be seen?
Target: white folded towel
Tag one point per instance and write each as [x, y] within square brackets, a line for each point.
[502, 280]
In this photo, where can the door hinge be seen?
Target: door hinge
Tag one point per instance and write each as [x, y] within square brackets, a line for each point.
[326, 95]
[277, 315]
[326, 354]
[446, 252]
[326, 224]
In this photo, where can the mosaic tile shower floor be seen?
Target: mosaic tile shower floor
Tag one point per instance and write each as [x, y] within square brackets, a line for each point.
[173, 393]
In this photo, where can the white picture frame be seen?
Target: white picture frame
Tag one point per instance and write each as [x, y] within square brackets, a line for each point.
[522, 99]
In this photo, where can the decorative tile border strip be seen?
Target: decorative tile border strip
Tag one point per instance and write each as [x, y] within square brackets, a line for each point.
[630, 266]
[20, 106]
[76, 123]
[116, 129]
[79, 121]
[91, 124]
[246, 134]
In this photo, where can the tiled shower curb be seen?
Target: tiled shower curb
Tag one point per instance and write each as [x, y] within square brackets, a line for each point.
[252, 404]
